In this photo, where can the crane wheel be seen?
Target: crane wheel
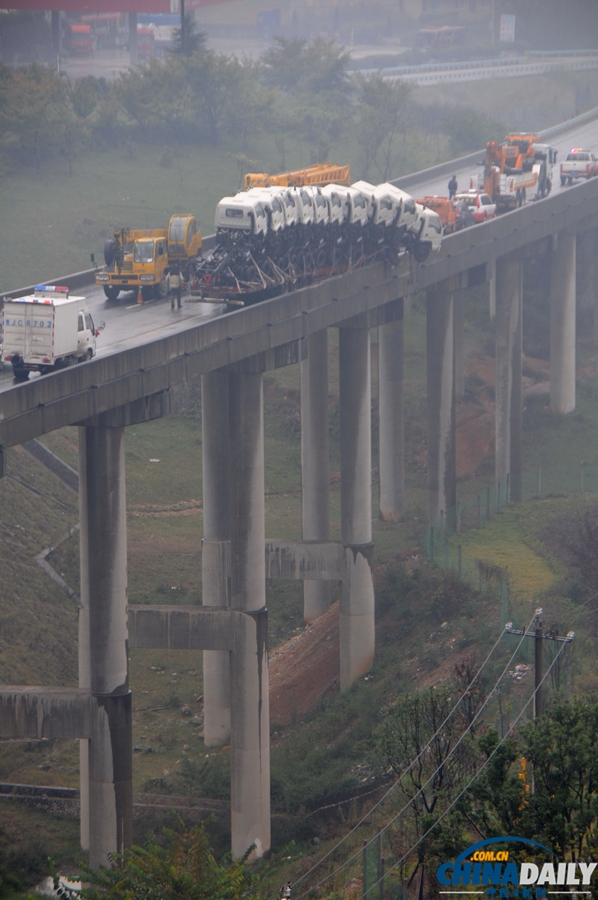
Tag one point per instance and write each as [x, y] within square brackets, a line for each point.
[111, 293]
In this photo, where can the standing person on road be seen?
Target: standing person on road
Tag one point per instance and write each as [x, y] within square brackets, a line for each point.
[175, 287]
[453, 187]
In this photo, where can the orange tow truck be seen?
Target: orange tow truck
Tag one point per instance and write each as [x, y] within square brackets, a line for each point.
[445, 209]
[518, 169]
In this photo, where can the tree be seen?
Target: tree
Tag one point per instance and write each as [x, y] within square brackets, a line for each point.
[296, 66]
[35, 101]
[559, 753]
[195, 40]
[85, 93]
[380, 114]
[418, 732]
[216, 88]
[469, 130]
[184, 868]
[561, 747]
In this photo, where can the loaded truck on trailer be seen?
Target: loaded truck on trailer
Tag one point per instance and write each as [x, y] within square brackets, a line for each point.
[517, 170]
[139, 259]
[46, 331]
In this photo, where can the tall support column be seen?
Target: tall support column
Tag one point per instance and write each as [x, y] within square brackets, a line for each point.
[133, 46]
[250, 738]
[315, 475]
[104, 608]
[509, 352]
[215, 565]
[562, 326]
[357, 631]
[56, 32]
[585, 269]
[492, 288]
[391, 421]
[441, 403]
[459, 330]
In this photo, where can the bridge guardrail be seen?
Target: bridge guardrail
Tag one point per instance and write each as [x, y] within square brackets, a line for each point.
[446, 168]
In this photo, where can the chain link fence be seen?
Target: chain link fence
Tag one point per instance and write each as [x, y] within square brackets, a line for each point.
[442, 543]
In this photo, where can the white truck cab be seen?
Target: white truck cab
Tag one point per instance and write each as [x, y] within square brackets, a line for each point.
[427, 231]
[272, 202]
[336, 195]
[241, 213]
[407, 214]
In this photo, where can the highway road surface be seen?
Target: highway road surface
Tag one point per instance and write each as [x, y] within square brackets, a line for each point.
[128, 323]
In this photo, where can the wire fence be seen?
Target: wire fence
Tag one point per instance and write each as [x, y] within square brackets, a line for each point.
[442, 543]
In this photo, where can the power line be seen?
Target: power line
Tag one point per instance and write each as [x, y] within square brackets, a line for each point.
[480, 770]
[408, 769]
[410, 766]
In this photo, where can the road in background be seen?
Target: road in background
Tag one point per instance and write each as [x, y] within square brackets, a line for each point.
[582, 136]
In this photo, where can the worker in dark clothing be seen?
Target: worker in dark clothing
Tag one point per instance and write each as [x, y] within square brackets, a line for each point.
[453, 187]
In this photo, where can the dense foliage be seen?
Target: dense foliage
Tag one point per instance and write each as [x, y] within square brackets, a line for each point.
[541, 782]
[182, 866]
[298, 93]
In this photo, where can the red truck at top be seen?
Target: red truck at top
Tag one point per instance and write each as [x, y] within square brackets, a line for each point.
[578, 164]
[78, 40]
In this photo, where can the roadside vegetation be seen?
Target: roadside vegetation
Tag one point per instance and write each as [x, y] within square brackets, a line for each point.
[81, 158]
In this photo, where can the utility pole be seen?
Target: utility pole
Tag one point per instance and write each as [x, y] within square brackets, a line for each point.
[538, 667]
[538, 635]
[183, 27]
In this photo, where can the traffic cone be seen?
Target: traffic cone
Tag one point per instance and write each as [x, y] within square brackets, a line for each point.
[139, 295]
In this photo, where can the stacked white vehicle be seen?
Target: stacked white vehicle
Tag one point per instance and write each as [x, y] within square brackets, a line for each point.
[267, 236]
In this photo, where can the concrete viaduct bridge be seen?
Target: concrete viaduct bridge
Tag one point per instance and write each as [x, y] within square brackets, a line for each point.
[230, 353]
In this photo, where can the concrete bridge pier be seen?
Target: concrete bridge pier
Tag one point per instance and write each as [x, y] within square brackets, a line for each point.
[585, 269]
[250, 716]
[441, 401]
[315, 468]
[459, 331]
[357, 629]
[508, 395]
[106, 776]
[215, 548]
[391, 420]
[562, 324]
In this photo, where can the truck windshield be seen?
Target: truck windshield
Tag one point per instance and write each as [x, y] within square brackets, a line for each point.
[144, 252]
[176, 235]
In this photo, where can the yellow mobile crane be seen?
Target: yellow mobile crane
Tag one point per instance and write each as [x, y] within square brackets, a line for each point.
[320, 173]
[139, 258]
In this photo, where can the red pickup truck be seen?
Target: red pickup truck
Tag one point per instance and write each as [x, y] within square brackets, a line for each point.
[578, 164]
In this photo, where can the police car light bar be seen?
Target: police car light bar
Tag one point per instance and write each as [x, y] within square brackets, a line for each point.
[51, 287]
